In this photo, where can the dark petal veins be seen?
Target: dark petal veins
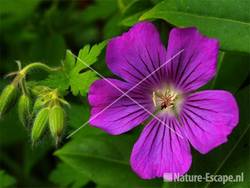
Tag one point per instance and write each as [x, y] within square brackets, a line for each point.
[153, 62]
[208, 118]
[124, 114]
[136, 51]
[188, 62]
[159, 150]
[196, 114]
[201, 108]
[197, 63]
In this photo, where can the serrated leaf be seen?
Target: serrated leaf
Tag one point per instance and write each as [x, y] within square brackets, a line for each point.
[80, 82]
[88, 55]
[72, 75]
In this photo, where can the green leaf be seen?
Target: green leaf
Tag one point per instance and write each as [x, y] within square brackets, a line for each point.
[136, 6]
[66, 176]
[58, 80]
[80, 82]
[34, 156]
[232, 72]
[74, 74]
[226, 20]
[134, 10]
[112, 27]
[103, 159]
[77, 115]
[6, 180]
[69, 62]
[88, 55]
[131, 20]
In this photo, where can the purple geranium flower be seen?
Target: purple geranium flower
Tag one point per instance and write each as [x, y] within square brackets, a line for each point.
[180, 116]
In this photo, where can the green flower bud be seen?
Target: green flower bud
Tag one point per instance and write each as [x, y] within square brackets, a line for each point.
[39, 125]
[56, 121]
[24, 104]
[7, 97]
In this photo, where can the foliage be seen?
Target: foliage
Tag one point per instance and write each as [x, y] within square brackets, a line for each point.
[220, 19]
[66, 176]
[47, 34]
[72, 74]
[6, 180]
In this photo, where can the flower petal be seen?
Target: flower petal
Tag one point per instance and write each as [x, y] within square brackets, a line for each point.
[160, 152]
[208, 117]
[136, 54]
[113, 112]
[196, 65]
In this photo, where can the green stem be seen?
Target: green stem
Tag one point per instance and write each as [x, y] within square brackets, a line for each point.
[38, 65]
[23, 88]
[22, 73]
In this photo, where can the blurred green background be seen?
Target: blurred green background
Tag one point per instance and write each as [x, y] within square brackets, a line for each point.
[42, 30]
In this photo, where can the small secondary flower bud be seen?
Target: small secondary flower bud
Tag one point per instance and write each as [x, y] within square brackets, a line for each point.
[7, 97]
[24, 104]
[39, 125]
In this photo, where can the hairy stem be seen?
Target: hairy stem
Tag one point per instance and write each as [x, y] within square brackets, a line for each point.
[38, 65]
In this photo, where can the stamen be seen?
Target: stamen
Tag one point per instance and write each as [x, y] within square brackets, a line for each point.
[154, 99]
[165, 98]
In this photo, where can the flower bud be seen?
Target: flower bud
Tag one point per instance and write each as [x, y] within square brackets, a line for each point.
[7, 97]
[56, 121]
[24, 104]
[39, 125]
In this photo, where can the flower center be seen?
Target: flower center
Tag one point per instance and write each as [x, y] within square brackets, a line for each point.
[167, 100]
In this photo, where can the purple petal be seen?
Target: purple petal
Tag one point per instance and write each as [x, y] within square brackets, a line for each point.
[208, 117]
[196, 65]
[159, 151]
[122, 115]
[136, 54]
